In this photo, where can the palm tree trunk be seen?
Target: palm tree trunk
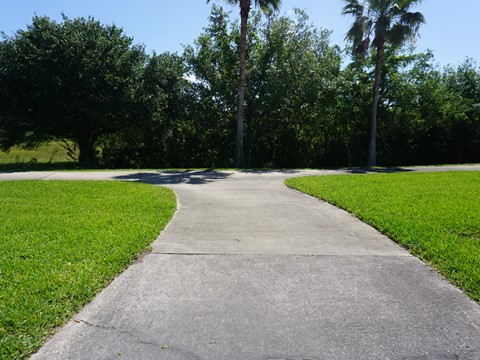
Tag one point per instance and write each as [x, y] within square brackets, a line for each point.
[244, 11]
[372, 151]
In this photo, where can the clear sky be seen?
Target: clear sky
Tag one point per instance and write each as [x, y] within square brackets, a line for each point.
[452, 30]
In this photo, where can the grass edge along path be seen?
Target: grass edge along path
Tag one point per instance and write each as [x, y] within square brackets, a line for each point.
[436, 216]
[61, 242]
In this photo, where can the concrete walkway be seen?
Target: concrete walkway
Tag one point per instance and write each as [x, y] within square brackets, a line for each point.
[249, 269]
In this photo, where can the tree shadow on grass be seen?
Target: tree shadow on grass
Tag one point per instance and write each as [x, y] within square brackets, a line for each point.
[176, 177]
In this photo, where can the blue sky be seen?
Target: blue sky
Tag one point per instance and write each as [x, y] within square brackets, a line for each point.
[452, 29]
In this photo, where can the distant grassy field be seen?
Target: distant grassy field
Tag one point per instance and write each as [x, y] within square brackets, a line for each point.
[52, 156]
[62, 242]
[47, 153]
[434, 215]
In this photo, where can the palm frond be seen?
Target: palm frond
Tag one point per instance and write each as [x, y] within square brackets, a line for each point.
[398, 34]
[359, 29]
[362, 47]
[267, 5]
[413, 19]
[406, 5]
[389, 20]
[231, 2]
[353, 7]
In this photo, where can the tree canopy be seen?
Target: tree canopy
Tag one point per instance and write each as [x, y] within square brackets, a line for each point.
[245, 7]
[306, 104]
[75, 80]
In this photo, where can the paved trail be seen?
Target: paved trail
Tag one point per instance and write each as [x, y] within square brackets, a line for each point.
[249, 269]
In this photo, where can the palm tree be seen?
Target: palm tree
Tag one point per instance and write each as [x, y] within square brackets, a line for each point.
[245, 6]
[388, 21]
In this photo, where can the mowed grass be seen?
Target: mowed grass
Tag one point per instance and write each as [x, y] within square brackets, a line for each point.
[60, 243]
[50, 156]
[46, 153]
[436, 216]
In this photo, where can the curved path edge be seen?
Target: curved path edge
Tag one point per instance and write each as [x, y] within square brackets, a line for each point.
[250, 269]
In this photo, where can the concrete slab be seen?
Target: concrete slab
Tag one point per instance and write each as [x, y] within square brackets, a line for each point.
[274, 307]
[249, 269]
[248, 213]
[72, 175]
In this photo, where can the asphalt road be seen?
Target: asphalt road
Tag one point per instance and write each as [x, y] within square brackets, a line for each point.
[249, 269]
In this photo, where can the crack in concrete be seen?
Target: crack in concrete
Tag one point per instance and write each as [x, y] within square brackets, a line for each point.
[124, 332]
[46, 176]
[167, 347]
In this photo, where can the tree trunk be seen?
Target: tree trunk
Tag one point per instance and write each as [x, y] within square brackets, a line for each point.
[86, 157]
[244, 11]
[372, 151]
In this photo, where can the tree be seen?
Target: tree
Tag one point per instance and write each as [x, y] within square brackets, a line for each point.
[74, 80]
[290, 106]
[213, 61]
[388, 21]
[463, 84]
[245, 7]
[164, 101]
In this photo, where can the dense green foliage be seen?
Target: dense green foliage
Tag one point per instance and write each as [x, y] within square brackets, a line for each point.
[245, 8]
[434, 215]
[60, 243]
[306, 106]
[75, 80]
[291, 71]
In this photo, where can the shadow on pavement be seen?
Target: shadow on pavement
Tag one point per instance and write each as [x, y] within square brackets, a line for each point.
[176, 177]
[376, 170]
[269, 171]
[34, 166]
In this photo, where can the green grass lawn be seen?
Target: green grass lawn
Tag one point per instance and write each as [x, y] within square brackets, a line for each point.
[46, 153]
[51, 156]
[62, 242]
[436, 216]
